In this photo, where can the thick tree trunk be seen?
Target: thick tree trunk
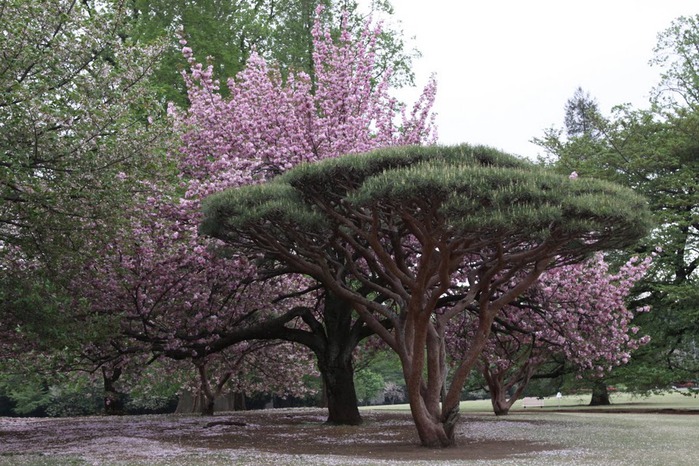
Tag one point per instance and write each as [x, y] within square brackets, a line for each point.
[192, 402]
[434, 415]
[189, 402]
[499, 388]
[323, 402]
[436, 419]
[600, 394]
[335, 363]
[338, 378]
[433, 432]
[498, 392]
[208, 394]
[239, 401]
[501, 405]
[113, 399]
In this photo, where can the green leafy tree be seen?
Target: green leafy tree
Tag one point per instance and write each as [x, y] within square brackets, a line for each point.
[654, 151]
[676, 53]
[80, 133]
[581, 113]
[225, 30]
[228, 31]
[369, 385]
[76, 118]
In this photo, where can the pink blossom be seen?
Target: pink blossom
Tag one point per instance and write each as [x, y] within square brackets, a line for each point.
[170, 287]
[576, 311]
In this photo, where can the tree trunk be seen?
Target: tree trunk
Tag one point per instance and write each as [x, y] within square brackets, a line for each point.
[498, 398]
[600, 394]
[499, 388]
[323, 402]
[196, 402]
[208, 394]
[433, 432]
[498, 392]
[188, 403]
[335, 362]
[435, 416]
[113, 399]
[239, 402]
[207, 405]
[338, 378]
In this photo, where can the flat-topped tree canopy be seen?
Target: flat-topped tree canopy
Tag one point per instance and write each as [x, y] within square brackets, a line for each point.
[394, 231]
[475, 192]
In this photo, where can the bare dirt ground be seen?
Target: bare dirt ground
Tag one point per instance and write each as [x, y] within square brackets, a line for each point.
[385, 436]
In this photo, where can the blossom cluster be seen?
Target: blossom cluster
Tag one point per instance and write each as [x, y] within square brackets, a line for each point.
[176, 291]
[575, 312]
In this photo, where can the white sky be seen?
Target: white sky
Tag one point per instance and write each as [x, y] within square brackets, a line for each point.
[505, 68]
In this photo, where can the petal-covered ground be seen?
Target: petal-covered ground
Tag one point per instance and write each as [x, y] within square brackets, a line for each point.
[295, 434]
[283, 437]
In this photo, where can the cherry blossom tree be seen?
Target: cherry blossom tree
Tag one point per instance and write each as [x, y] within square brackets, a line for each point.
[269, 124]
[173, 297]
[252, 367]
[575, 312]
[180, 294]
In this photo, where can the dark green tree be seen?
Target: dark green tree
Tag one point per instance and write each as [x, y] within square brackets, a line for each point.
[414, 224]
[655, 152]
[581, 112]
[229, 30]
[369, 385]
[80, 132]
[225, 30]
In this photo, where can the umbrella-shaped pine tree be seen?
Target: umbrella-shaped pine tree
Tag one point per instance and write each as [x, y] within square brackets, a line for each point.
[393, 231]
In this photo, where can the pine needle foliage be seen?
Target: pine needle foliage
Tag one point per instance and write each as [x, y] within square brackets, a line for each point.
[473, 190]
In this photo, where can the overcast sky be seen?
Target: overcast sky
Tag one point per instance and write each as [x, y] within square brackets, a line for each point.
[505, 68]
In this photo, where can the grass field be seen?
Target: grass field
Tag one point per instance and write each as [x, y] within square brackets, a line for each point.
[571, 435]
[674, 400]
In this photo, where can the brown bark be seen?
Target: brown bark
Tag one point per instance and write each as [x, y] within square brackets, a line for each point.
[336, 340]
[499, 386]
[113, 399]
[422, 353]
[498, 394]
[207, 406]
[341, 395]
[208, 394]
[600, 394]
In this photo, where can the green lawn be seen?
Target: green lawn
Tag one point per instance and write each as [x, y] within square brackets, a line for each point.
[604, 438]
[674, 400]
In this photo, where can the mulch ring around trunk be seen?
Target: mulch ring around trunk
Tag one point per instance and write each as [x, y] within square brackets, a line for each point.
[382, 436]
